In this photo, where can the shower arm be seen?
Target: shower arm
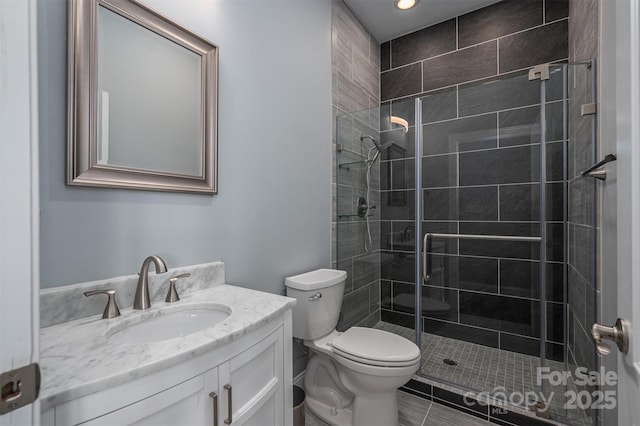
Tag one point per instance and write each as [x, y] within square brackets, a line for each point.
[428, 238]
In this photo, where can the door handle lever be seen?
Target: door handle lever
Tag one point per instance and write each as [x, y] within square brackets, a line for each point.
[619, 333]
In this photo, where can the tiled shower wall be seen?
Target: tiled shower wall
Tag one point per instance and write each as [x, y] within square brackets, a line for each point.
[582, 283]
[356, 87]
[479, 174]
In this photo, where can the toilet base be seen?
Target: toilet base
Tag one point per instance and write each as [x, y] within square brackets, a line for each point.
[380, 409]
[328, 414]
[375, 410]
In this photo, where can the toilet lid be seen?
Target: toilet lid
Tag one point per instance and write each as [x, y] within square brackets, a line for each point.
[376, 347]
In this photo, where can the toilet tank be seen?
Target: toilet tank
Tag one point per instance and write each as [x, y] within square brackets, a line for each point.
[319, 295]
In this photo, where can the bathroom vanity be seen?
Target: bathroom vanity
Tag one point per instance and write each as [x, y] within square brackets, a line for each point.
[236, 371]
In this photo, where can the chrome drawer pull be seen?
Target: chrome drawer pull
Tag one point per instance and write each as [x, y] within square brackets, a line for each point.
[229, 405]
[215, 407]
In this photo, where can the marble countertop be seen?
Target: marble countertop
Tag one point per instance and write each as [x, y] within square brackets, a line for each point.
[77, 359]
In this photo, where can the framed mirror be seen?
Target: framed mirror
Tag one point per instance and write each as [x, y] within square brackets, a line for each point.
[142, 100]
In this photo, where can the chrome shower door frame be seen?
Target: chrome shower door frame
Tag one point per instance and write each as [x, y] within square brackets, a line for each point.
[422, 240]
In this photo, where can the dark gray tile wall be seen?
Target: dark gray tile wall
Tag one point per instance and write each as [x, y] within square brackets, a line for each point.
[532, 47]
[356, 98]
[473, 63]
[583, 195]
[481, 174]
[425, 43]
[499, 20]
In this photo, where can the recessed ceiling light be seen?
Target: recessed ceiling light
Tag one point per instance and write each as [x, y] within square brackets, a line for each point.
[405, 4]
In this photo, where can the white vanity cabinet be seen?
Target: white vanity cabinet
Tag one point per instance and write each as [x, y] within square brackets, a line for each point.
[245, 382]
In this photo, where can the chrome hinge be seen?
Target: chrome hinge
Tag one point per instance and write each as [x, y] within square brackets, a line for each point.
[588, 109]
[539, 72]
[19, 387]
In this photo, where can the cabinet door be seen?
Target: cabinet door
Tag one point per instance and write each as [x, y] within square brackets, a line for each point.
[266, 413]
[256, 384]
[185, 404]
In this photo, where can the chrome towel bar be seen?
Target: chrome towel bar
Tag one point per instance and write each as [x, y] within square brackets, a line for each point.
[426, 245]
[595, 171]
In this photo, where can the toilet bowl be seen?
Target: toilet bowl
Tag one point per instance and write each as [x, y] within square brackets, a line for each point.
[352, 377]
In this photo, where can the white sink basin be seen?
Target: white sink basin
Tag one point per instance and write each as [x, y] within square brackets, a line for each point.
[170, 324]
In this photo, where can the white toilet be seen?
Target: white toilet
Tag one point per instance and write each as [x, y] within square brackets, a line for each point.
[352, 377]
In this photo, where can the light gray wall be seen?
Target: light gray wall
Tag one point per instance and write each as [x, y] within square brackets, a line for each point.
[271, 217]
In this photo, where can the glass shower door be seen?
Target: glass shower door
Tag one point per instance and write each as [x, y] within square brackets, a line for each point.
[495, 175]
[398, 226]
[486, 169]
[493, 195]
[375, 187]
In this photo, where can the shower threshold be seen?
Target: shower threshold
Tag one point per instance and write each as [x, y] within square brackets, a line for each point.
[496, 372]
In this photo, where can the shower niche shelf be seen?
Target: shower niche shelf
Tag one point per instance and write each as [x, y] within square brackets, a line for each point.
[354, 164]
[363, 210]
[344, 216]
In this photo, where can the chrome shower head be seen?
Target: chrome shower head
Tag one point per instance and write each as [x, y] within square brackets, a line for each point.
[380, 147]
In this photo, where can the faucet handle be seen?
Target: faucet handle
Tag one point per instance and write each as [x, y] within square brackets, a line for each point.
[172, 295]
[111, 311]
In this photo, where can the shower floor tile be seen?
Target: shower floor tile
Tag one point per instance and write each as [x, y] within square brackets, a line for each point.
[491, 371]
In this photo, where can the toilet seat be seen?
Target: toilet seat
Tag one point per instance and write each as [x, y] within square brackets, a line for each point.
[376, 347]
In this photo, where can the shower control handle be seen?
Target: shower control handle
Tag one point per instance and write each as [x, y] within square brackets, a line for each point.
[362, 207]
[619, 333]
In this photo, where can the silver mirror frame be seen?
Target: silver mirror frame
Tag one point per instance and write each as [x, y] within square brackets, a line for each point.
[82, 122]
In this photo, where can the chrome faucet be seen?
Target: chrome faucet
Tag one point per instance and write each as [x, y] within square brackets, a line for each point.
[141, 300]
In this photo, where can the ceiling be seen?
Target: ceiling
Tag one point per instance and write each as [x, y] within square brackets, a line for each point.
[385, 22]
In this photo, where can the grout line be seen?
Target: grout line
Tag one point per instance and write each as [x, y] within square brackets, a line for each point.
[477, 328]
[440, 55]
[457, 34]
[532, 145]
[424, 421]
[498, 111]
[499, 278]
[487, 293]
[421, 76]
[457, 89]
[498, 57]
[496, 39]
[504, 75]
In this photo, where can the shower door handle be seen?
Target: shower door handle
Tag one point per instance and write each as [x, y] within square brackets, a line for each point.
[426, 245]
[426, 257]
[619, 334]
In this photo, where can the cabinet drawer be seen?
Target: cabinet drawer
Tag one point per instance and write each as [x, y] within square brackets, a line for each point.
[179, 405]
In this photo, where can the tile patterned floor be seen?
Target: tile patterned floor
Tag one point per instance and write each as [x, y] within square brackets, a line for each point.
[414, 411]
[488, 369]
